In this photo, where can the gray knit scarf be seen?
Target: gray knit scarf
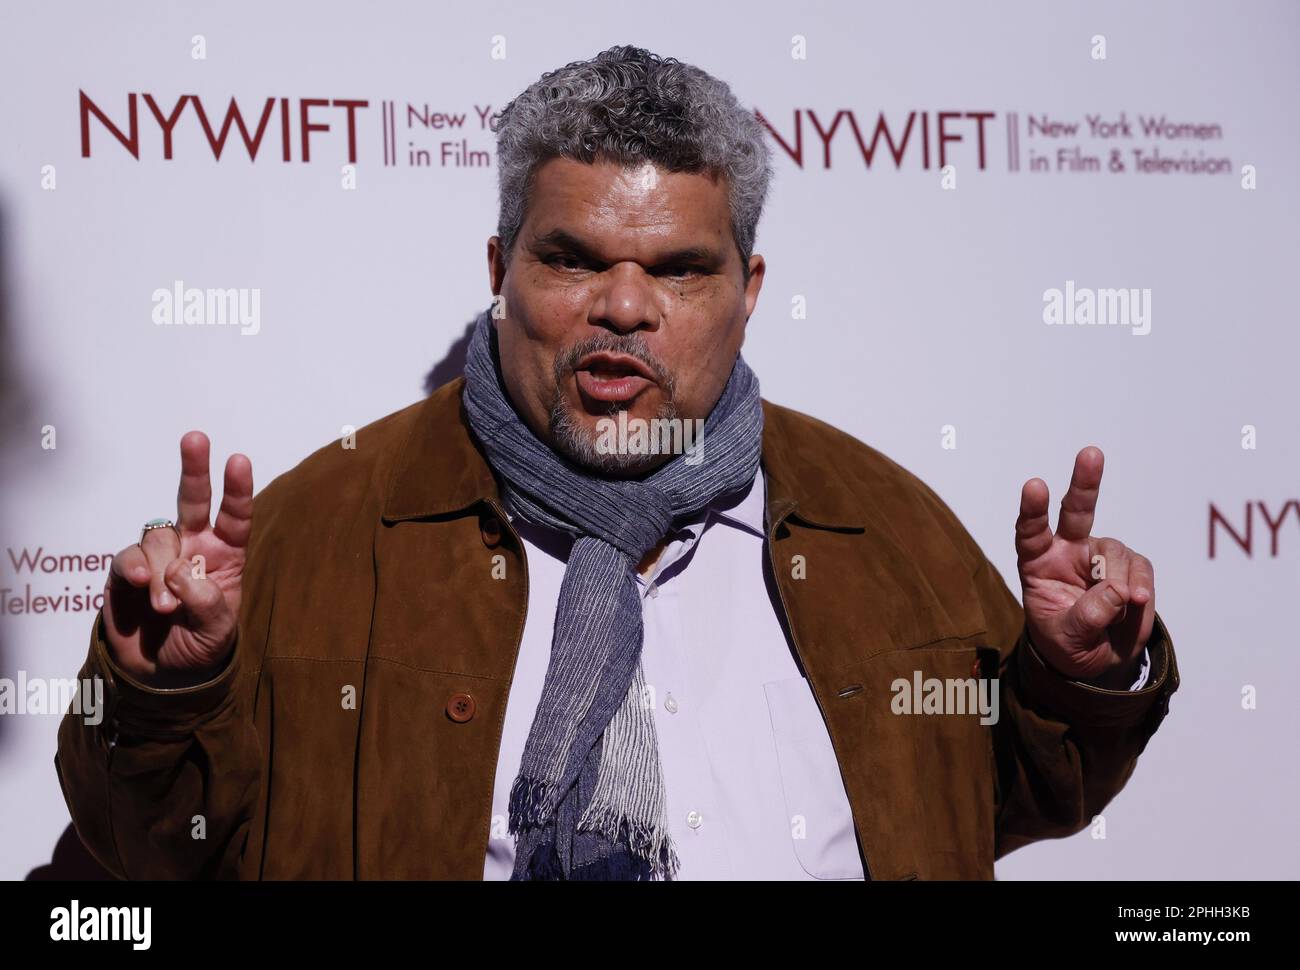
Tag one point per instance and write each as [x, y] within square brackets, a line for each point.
[588, 802]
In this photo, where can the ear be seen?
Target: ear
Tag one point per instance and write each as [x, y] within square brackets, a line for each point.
[757, 267]
[496, 264]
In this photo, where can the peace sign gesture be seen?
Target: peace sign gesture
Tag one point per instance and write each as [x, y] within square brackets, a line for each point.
[1089, 602]
[171, 604]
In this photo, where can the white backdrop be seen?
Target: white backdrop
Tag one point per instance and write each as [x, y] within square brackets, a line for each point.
[924, 304]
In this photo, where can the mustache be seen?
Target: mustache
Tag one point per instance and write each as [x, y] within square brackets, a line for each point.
[632, 344]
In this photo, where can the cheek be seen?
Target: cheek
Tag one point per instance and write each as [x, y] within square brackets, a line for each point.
[703, 374]
[548, 326]
[525, 365]
[547, 307]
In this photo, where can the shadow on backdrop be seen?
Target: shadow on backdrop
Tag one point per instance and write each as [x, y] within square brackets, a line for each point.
[16, 424]
[70, 860]
[452, 364]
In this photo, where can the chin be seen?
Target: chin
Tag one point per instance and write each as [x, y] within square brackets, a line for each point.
[574, 433]
[613, 465]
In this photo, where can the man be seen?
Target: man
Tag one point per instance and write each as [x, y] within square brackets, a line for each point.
[507, 635]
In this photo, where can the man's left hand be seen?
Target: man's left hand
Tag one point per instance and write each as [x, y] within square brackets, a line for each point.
[1089, 602]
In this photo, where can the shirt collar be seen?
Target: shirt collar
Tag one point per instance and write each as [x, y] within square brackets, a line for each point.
[744, 508]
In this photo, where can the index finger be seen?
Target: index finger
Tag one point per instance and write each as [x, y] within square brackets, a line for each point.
[194, 496]
[1080, 502]
[235, 517]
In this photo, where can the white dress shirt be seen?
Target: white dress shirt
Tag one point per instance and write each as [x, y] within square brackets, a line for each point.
[752, 784]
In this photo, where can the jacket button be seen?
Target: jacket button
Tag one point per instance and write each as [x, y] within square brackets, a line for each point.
[491, 530]
[460, 707]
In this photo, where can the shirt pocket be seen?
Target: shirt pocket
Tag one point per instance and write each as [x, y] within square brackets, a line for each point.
[819, 819]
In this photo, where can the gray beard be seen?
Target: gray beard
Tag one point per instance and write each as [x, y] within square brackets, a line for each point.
[579, 444]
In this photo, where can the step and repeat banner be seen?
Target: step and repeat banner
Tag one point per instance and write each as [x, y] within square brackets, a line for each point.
[996, 233]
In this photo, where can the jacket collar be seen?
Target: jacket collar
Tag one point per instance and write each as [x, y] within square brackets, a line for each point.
[442, 471]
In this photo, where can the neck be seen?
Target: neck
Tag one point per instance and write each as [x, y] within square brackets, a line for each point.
[647, 562]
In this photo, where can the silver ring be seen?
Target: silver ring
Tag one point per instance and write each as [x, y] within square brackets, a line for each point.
[157, 524]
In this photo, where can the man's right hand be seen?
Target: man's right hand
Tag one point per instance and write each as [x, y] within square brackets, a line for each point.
[171, 623]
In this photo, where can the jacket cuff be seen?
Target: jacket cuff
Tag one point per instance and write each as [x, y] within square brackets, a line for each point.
[1085, 704]
[137, 710]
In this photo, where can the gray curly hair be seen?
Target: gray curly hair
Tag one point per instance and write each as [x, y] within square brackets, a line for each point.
[630, 106]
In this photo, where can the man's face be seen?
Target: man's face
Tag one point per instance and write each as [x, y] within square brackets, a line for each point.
[625, 292]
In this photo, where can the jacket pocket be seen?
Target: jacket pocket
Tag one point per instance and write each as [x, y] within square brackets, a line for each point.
[944, 703]
[817, 806]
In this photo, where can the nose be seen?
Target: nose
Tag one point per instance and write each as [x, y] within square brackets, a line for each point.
[626, 302]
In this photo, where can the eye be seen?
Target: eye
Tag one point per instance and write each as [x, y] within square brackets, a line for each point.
[564, 261]
[679, 271]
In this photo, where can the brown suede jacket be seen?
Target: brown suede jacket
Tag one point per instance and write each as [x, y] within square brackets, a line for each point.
[374, 574]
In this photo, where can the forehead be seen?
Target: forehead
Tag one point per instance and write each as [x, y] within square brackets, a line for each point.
[614, 203]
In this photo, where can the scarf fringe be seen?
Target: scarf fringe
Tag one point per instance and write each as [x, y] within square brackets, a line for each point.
[621, 865]
[643, 852]
[649, 843]
[543, 865]
[531, 803]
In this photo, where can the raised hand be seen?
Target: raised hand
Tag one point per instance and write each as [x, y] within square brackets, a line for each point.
[1089, 602]
[169, 623]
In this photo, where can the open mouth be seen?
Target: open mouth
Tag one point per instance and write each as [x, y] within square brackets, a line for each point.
[608, 377]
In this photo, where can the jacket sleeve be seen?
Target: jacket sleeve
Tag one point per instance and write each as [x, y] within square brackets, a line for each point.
[165, 783]
[1062, 748]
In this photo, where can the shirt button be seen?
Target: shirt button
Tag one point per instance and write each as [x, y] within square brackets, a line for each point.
[670, 704]
[460, 707]
[490, 528]
[695, 820]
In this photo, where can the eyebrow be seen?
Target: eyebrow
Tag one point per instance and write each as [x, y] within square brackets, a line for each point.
[561, 239]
